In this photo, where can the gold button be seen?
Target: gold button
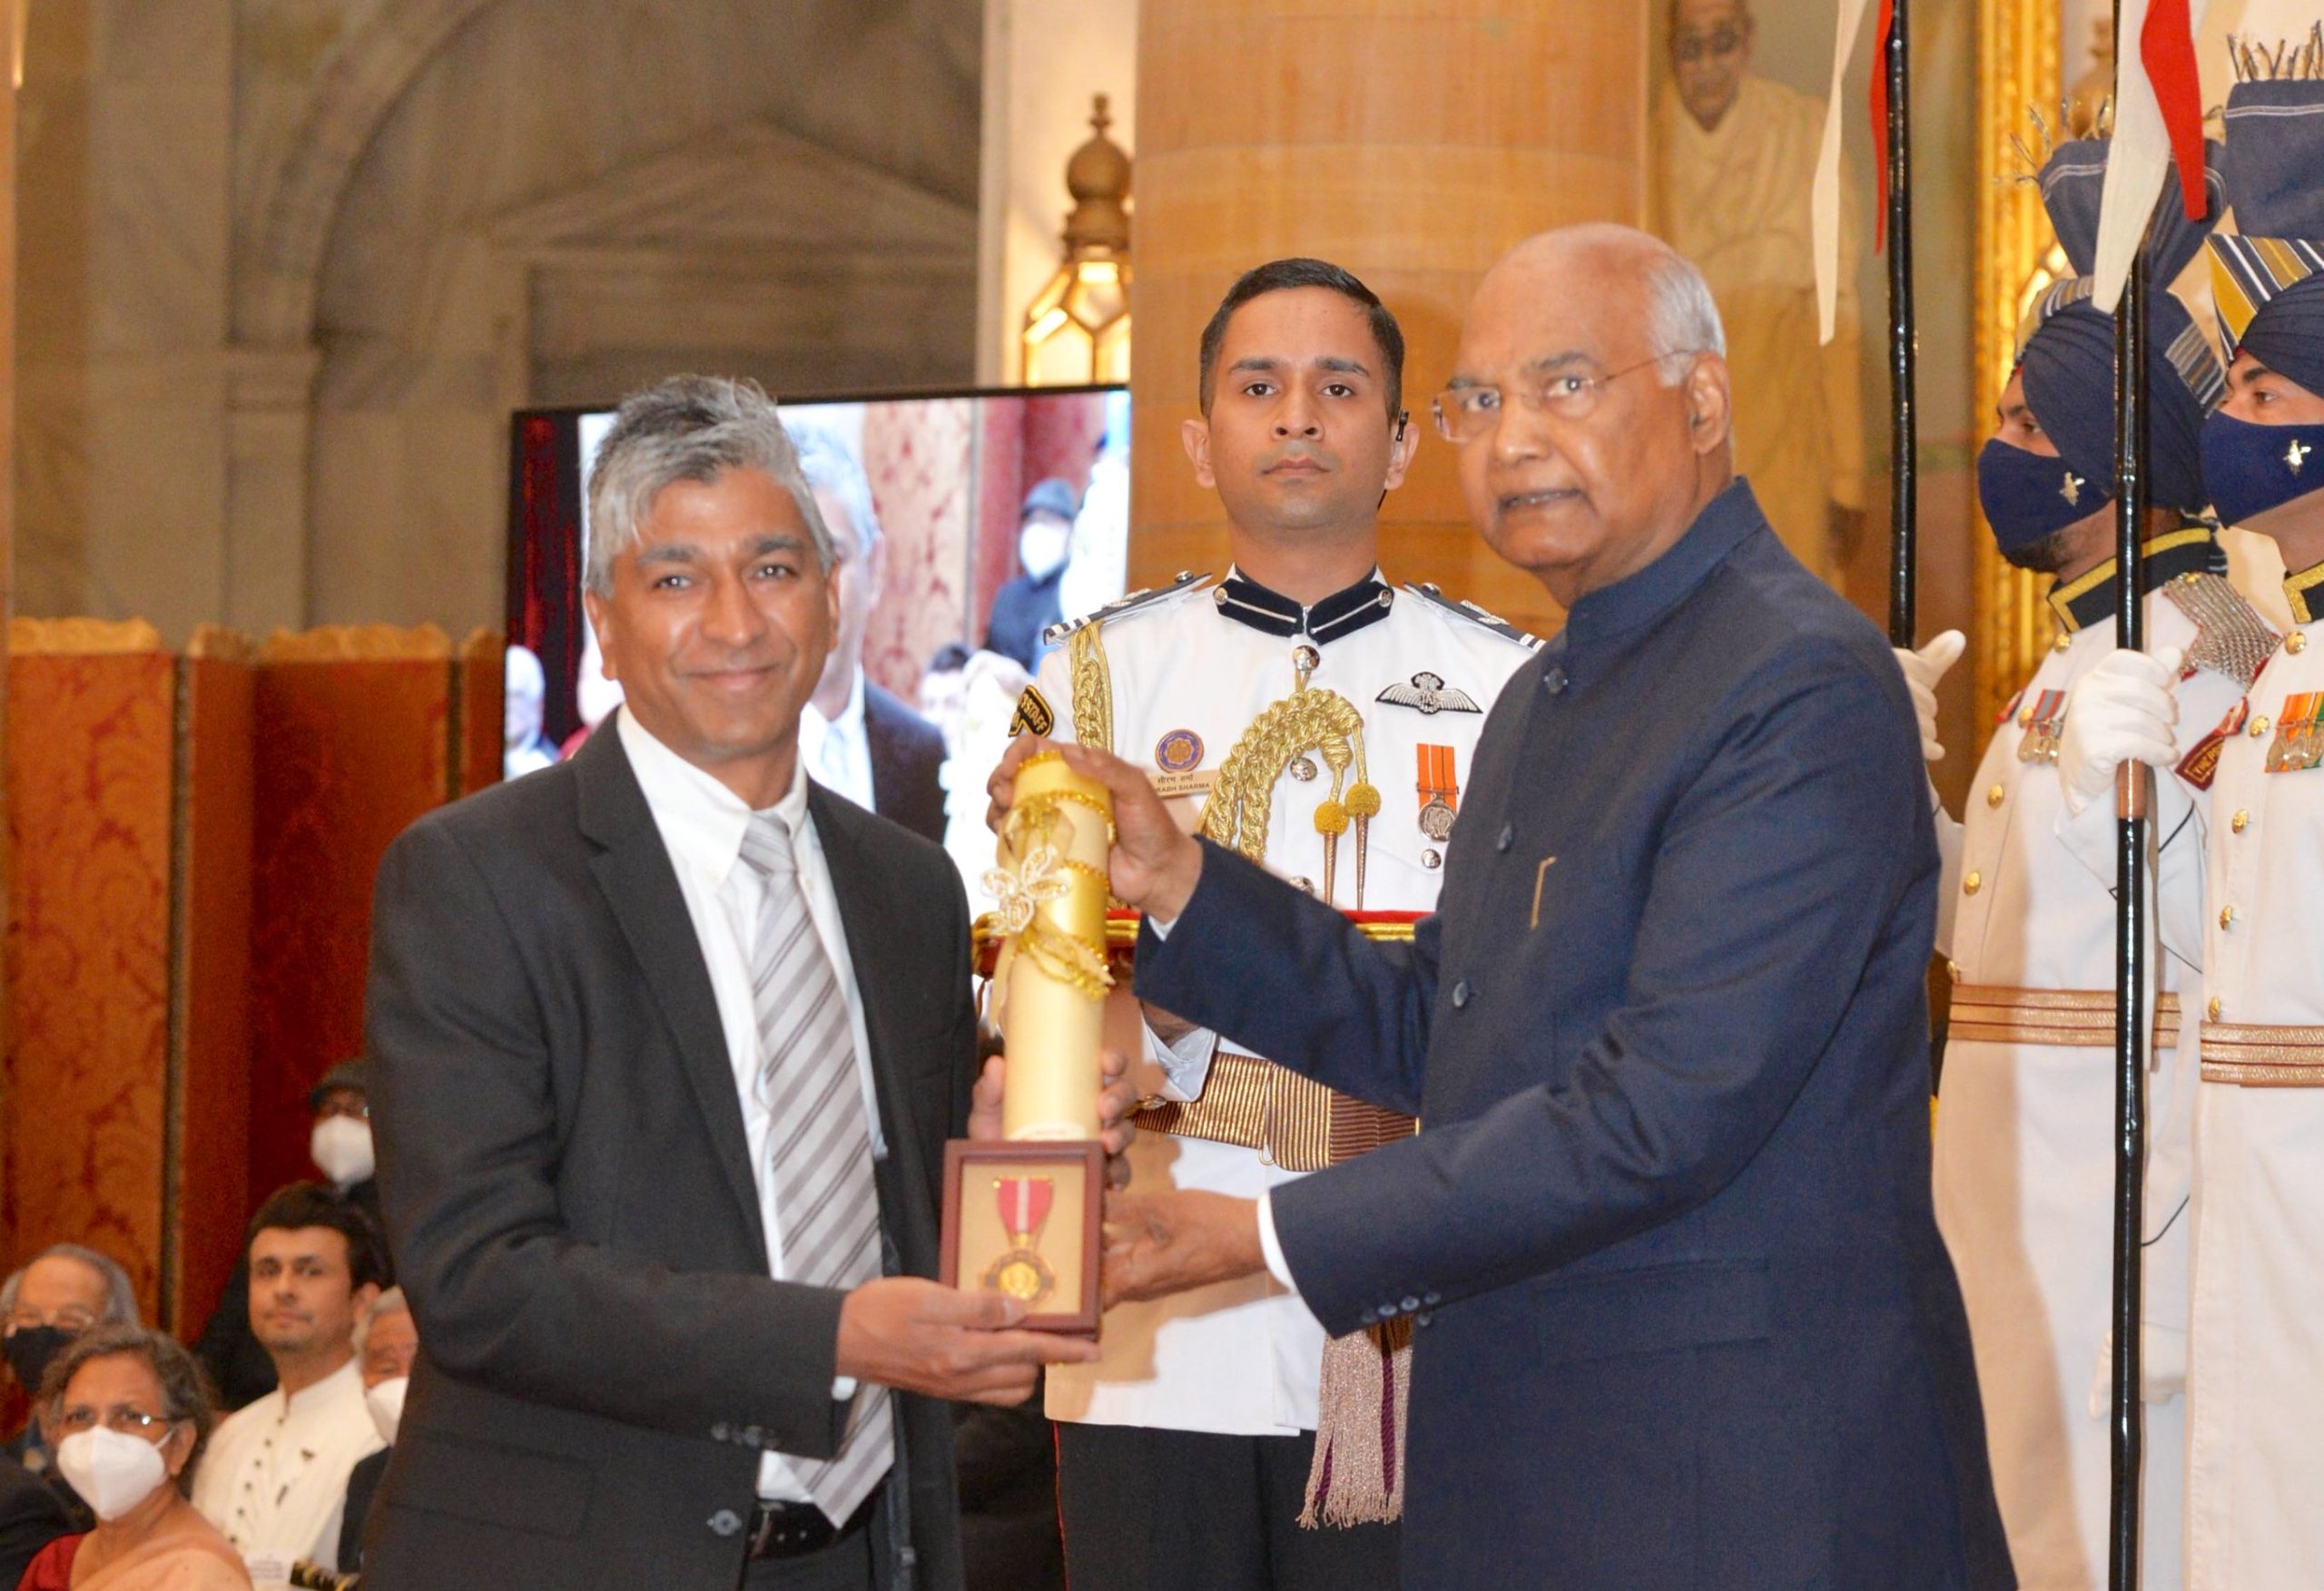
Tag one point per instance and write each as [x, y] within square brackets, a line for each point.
[1953, 970]
[1972, 884]
[2295, 643]
[2226, 916]
[2025, 719]
[2211, 1010]
[2258, 726]
[1995, 796]
[2062, 643]
[2240, 821]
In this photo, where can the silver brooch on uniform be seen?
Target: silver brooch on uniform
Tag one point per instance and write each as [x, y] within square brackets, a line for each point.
[1431, 696]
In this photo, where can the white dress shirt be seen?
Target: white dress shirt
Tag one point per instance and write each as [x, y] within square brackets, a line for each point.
[702, 822]
[836, 750]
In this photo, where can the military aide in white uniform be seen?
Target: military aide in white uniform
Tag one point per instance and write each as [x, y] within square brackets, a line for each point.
[1300, 688]
[2256, 1365]
[2023, 1155]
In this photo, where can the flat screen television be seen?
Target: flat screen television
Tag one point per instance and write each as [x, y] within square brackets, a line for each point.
[949, 474]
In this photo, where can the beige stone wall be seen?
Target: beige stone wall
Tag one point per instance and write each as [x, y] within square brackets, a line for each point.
[287, 264]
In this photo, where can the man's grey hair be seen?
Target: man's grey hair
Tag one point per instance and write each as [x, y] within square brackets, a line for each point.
[121, 1297]
[1682, 317]
[391, 1303]
[686, 429]
[831, 465]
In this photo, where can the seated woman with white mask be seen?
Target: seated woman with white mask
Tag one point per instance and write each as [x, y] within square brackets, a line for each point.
[130, 1416]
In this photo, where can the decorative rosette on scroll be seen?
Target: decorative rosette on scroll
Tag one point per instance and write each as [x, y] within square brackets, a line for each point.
[1048, 985]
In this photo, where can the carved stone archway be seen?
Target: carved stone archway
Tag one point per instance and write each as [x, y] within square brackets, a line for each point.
[282, 235]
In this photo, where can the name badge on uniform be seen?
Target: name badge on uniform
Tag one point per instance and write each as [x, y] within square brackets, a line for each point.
[1439, 792]
[2298, 744]
[1177, 756]
[2044, 722]
[1033, 714]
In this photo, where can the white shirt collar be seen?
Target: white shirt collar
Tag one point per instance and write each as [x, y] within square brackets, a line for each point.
[702, 822]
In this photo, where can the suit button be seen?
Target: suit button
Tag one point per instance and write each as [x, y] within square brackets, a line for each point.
[1411, 1304]
[1431, 1299]
[1422, 1318]
[1508, 837]
[1554, 681]
[2295, 643]
[725, 1522]
[1461, 994]
[718, 1432]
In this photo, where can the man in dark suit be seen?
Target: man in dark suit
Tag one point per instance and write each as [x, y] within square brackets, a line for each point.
[666, 1043]
[861, 741]
[1681, 1317]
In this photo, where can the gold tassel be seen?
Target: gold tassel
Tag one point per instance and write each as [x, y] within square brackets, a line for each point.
[1358, 1474]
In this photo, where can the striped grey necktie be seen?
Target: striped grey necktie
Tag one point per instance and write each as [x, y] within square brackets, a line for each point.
[819, 1142]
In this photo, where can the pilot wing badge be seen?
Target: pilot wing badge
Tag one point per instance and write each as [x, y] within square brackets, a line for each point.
[1431, 696]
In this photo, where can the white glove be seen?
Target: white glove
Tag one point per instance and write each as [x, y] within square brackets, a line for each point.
[1923, 670]
[2121, 712]
[2163, 1368]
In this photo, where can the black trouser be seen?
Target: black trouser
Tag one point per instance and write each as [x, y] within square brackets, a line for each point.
[1168, 1510]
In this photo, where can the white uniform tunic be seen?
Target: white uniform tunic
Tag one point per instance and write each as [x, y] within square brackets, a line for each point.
[2256, 1377]
[2024, 1153]
[1242, 1358]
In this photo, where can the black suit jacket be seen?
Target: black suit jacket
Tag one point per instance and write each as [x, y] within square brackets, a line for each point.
[564, 1175]
[362, 1486]
[31, 1517]
[1681, 1317]
[907, 752]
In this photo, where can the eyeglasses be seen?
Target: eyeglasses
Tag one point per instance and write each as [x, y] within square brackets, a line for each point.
[72, 1318]
[1463, 413]
[127, 1422]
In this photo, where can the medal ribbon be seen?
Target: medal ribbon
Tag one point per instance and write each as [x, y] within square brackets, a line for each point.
[1024, 1204]
[1436, 776]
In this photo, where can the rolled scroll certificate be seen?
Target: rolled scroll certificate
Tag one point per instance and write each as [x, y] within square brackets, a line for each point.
[1023, 1216]
[1048, 989]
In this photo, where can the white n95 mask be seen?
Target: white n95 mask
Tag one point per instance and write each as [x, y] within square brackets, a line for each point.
[386, 1403]
[113, 1472]
[341, 1149]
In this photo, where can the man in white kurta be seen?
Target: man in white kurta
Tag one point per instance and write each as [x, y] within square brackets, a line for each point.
[1735, 155]
[273, 1479]
[1187, 1455]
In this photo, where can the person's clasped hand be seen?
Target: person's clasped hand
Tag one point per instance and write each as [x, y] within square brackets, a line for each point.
[2125, 710]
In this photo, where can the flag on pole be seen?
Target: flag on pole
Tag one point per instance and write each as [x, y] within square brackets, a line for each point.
[1824, 197]
[2147, 133]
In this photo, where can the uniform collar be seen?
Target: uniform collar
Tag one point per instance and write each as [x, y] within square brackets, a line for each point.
[2089, 598]
[1642, 597]
[2301, 589]
[1341, 614]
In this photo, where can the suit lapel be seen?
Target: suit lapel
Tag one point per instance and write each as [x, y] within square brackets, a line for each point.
[641, 889]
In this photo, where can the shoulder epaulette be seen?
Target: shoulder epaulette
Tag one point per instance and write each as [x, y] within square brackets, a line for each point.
[2230, 637]
[1428, 593]
[1185, 584]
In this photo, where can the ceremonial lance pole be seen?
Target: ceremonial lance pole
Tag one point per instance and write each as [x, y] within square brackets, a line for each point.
[2133, 789]
[1903, 436]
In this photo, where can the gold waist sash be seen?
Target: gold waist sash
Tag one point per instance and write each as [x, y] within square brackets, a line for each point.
[2255, 1057]
[2078, 1018]
[1295, 1121]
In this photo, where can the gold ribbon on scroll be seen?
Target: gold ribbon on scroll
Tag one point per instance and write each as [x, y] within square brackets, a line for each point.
[1048, 989]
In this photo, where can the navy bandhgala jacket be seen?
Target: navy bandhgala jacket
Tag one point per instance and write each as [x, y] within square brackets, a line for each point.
[1682, 1319]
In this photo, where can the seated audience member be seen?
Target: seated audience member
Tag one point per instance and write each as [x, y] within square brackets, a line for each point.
[943, 692]
[31, 1517]
[131, 1417]
[277, 1477]
[1032, 602]
[63, 1290]
[386, 1342]
[524, 693]
[340, 1142]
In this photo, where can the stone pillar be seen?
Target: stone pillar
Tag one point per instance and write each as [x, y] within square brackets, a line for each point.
[270, 424]
[1410, 140]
